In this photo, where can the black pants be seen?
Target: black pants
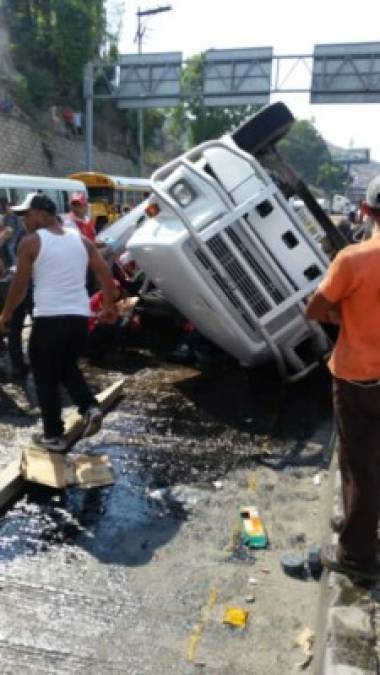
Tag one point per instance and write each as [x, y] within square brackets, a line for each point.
[55, 346]
[357, 412]
[16, 354]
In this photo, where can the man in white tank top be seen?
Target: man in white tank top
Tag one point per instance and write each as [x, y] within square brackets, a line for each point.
[56, 258]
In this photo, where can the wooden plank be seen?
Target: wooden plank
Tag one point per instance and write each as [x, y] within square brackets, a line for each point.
[47, 468]
[93, 471]
[106, 398]
[11, 482]
[60, 471]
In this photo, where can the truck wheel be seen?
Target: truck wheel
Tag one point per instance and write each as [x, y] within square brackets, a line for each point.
[265, 128]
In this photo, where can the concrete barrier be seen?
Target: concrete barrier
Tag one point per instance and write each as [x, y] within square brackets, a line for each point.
[346, 625]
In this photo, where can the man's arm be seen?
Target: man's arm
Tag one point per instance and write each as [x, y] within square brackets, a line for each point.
[26, 255]
[104, 276]
[320, 309]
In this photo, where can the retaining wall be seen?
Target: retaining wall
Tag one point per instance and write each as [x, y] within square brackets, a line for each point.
[25, 150]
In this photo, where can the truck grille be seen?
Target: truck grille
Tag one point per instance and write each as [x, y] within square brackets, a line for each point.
[265, 279]
[237, 276]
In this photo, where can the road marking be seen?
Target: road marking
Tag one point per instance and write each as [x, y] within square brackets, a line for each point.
[199, 628]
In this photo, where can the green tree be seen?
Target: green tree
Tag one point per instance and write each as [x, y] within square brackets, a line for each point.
[306, 150]
[192, 119]
[332, 178]
[51, 40]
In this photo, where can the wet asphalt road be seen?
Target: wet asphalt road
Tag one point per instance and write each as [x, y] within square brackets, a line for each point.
[135, 578]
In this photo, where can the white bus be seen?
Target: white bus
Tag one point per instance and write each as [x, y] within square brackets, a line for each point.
[14, 188]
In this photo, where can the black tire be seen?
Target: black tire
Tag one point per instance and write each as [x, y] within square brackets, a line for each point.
[265, 128]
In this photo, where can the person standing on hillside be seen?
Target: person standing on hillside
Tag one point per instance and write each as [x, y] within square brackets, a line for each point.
[57, 258]
[350, 297]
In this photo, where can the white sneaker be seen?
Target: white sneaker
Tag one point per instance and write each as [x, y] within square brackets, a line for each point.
[92, 421]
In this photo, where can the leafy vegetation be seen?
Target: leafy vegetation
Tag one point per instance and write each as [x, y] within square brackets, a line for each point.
[308, 153]
[194, 122]
[51, 40]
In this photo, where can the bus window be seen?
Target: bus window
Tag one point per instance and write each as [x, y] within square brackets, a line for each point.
[110, 196]
[18, 195]
[102, 194]
[16, 187]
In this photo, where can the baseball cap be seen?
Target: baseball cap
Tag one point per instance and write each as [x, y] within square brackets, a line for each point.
[373, 193]
[36, 200]
[25, 205]
[78, 198]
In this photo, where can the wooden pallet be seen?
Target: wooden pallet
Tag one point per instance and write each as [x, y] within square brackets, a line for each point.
[59, 470]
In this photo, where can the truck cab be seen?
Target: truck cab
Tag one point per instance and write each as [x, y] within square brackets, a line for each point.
[228, 249]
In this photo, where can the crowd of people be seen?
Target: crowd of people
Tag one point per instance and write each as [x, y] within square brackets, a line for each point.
[67, 120]
[78, 301]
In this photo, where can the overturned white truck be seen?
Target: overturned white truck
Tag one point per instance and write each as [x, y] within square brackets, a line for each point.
[226, 247]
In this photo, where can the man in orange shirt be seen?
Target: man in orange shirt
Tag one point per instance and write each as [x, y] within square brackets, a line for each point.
[349, 296]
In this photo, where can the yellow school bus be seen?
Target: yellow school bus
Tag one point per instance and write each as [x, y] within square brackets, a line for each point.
[112, 196]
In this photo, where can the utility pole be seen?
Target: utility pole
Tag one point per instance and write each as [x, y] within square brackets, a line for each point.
[88, 92]
[139, 39]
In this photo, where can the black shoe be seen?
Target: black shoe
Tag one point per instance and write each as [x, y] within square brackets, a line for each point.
[92, 418]
[52, 443]
[346, 566]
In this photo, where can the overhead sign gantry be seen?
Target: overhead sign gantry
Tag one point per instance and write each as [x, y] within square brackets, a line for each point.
[335, 73]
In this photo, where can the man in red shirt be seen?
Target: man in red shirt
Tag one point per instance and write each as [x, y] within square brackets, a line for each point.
[78, 216]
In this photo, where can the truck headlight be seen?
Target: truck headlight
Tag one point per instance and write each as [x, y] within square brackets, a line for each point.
[182, 193]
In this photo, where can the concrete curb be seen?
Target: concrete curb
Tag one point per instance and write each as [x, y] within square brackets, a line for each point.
[346, 634]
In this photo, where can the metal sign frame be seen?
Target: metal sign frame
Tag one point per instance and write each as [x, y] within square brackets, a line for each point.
[339, 73]
[150, 80]
[237, 76]
[346, 73]
[351, 156]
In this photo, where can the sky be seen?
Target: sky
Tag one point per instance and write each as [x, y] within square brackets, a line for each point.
[288, 26]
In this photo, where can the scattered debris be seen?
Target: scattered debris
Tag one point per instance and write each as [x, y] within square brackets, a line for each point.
[317, 479]
[217, 484]
[186, 496]
[305, 640]
[293, 564]
[236, 616]
[250, 598]
[157, 495]
[253, 532]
